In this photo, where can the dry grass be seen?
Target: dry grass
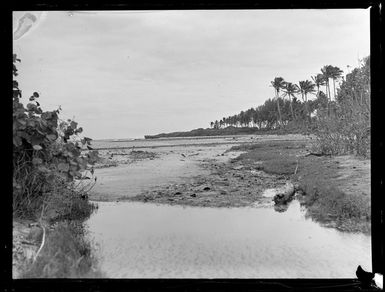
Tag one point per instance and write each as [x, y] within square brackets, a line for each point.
[66, 254]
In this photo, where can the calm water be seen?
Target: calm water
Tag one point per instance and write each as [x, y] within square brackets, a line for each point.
[184, 141]
[137, 240]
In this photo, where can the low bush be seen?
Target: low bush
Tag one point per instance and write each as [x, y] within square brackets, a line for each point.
[47, 153]
[68, 205]
[48, 159]
[345, 127]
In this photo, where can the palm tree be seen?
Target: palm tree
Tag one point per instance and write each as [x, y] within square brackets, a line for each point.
[335, 74]
[290, 89]
[306, 87]
[278, 83]
[319, 81]
[327, 72]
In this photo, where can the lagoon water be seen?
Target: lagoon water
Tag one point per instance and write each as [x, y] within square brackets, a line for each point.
[143, 240]
[183, 141]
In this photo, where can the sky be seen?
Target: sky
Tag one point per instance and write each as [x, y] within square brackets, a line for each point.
[126, 74]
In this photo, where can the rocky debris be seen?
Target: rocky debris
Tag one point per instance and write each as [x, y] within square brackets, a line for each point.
[238, 167]
[281, 208]
[112, 159]
[224, 187]
[284, 194]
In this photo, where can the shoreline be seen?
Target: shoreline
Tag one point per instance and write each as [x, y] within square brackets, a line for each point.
[228, 131]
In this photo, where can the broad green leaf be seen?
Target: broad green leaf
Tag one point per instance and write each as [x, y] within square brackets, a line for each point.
[37, 147]
[52, 137]
[73, 125]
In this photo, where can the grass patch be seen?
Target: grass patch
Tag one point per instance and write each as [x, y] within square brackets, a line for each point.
[276, 157]
[318, 177]
[266, 145]
[326, 203]
[66, 254]
[68, 205]
[283, 165]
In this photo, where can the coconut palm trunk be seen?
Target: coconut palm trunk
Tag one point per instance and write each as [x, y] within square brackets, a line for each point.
[327, 96]
[307, 108]
[278, 107]
[291, 109]
[278, 83]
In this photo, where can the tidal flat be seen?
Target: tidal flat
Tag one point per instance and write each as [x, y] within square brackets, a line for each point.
[198, 208]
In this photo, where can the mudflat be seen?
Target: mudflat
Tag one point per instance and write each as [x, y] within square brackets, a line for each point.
[230, 172]
[198, 167]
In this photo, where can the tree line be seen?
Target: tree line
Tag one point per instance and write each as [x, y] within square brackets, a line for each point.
[338, 116]
[290, 103]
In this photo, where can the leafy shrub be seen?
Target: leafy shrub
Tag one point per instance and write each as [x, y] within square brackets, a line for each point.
[47, 152]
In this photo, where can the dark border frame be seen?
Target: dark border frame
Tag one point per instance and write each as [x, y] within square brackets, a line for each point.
[377, 44]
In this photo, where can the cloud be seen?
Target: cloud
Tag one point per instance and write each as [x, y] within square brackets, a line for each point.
[145, 72]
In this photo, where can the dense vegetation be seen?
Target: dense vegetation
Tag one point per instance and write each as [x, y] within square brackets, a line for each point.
[340, 117]
[48, 167]
[230, 130]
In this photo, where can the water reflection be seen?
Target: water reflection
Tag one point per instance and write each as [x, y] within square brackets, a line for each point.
[157, 241]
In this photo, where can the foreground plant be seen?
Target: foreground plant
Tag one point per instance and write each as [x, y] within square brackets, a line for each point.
[49, 160]
[47, 152]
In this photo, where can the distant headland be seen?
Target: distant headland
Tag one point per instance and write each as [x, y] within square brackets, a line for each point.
[224, 132]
